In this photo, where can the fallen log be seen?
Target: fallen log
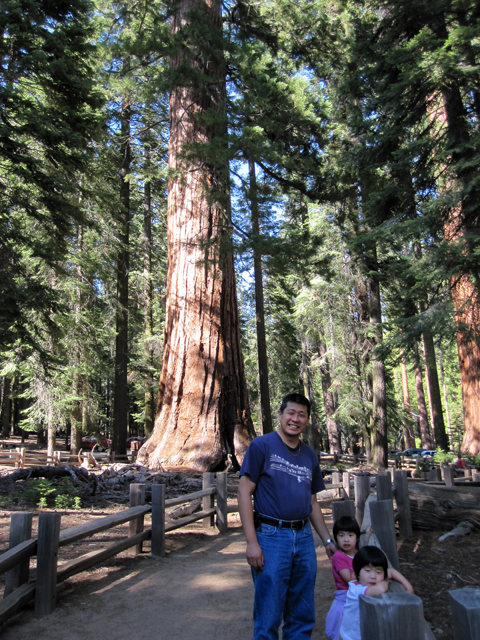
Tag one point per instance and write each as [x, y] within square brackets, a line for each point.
[436, 507]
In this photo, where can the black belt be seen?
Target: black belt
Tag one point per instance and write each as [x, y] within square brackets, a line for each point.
[283, 524]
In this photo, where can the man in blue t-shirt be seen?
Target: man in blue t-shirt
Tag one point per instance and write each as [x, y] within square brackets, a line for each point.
[282, 474]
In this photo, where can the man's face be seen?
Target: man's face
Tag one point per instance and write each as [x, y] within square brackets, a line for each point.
[293, 420]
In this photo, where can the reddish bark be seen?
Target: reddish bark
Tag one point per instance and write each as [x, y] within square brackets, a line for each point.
[422, 407]
[407, 427]
[203, 416]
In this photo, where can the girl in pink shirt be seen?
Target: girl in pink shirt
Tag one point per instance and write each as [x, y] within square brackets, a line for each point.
[347, 535]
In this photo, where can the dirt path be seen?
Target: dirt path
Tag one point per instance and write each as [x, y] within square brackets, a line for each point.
[198, 593]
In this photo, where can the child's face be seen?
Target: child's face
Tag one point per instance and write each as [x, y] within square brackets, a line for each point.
[370, 575]
[346, 541]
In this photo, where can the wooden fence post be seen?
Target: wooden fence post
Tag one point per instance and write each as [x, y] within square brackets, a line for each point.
[208, 501]
[465, 606]
[343, 508]
[20, 530]
[158, 520]
[137, 498]
[384, 486]
[362, 491]
[383, 525]
[395, 616]
[336, 479]
[346, 483]
[448, 476]
[222, 513]
[467, 473]
[476, 477]
[403, 504]
[47, 552]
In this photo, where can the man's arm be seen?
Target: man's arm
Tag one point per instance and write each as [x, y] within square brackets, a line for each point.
[318, 522]
[254, 552]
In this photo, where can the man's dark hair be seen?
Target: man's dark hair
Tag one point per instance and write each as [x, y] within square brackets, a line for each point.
[370, 555]
[346, 523]
[297, 398]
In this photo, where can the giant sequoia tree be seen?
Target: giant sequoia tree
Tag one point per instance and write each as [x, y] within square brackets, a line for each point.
[203, 415]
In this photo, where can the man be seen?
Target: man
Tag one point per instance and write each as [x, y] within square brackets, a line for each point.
[282, 474]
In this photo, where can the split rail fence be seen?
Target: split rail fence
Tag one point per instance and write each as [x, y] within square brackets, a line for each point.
[15, 563]
[393, 616]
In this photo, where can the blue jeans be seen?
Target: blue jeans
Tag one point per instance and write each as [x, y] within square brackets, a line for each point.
[285, 586]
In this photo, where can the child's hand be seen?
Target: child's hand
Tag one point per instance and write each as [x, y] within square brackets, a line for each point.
[397, 576]
[377, 589]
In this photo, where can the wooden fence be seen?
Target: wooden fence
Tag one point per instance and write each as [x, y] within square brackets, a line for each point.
[15, 563]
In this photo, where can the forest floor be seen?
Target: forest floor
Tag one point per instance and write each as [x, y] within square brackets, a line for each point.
[202, 588]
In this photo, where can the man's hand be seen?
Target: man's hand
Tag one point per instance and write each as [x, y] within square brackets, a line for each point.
[330, 549]
[255, 556]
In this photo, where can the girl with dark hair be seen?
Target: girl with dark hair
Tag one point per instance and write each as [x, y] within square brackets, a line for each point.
[370, 565]
[346, 533]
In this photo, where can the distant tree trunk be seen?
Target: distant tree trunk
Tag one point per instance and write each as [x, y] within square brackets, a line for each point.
[434, 396]
[76, 431]
[379, 417]
[328, 399]
[447, 412]
[148, 308]
[51, 439]
[422, 407]
[203, 417]
[120, 401]
[6, 407]
[259, 306]
[407, 427]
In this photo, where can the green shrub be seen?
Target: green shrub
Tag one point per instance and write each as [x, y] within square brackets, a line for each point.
[43, 493]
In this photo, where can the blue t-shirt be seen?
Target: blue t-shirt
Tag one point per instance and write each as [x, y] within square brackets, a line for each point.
[284, 481]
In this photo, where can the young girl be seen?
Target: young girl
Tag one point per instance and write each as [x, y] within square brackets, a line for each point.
[347, 534]
[371, 569]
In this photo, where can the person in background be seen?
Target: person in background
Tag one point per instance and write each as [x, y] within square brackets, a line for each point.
[460, 462]
[282, 474]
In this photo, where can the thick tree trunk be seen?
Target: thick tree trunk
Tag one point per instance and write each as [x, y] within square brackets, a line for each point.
[203, 416]
[407, 427]
[148, 306]
[259, 307]
[120, 401]
[328, 399]
[78, 385]
[461, 228]
[422, 407]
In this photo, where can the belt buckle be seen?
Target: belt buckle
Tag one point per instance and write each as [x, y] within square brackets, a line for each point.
[293, 524]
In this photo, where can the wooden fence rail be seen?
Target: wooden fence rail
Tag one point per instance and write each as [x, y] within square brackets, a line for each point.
[15, 562]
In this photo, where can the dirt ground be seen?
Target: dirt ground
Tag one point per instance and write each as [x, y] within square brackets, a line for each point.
[202, 588]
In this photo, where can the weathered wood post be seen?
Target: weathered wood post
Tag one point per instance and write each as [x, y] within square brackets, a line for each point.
[362, 491]
[208, 501]
[222, 513]
[403, 504]
[137, 498]
[343, 508]
[448, 476]
[476, 477]
[346, 483]
[47, 553]
[158, 520]
[392, 616]
[384, 486]
[20, 530]
[337, 479]
[465, 606]
[383, 524]
[435, 475]
[467, 473]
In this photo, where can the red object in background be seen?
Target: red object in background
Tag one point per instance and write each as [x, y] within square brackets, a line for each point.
[88, 442]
